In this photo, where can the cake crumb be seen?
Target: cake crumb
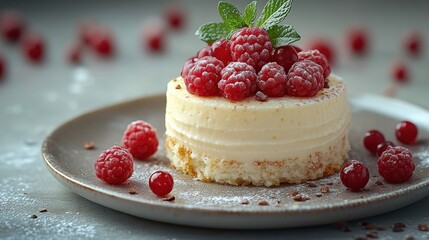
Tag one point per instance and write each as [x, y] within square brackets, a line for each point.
[293, 193]
[423, 227]
[409, 237]
[263, 203]
[244, 201]
[398, 227]
[260, 96]
[324, 189]
[178, 86]
[89, 145]
[42, 210]
[169, 199]
[319, 194]
[311, 184]
[301, 198]
[132, 191]
[33, 216]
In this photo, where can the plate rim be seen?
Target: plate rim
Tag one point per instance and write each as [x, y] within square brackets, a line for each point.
[353, 203]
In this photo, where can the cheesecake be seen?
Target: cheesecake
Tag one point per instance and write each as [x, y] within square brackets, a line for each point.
[262, 143]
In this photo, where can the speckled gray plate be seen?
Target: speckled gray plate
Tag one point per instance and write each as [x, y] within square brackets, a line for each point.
[220, 206]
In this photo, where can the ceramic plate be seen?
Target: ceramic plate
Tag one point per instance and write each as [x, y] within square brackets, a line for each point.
[219, 206]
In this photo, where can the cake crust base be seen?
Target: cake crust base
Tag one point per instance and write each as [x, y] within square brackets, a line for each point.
[259, 173]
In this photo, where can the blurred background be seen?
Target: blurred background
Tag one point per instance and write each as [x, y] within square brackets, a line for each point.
[75, 56]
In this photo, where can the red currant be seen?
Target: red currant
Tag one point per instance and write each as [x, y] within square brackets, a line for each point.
[285, 56]
[73, 54]
[383, 146]
[354, 175]
[154, 38]
[325, 48]
[406, 132]
[175, 16]
[413, 43]
[2, 67]
[33, 47]
[400, 72]
[161, 183]
[205, 52]
[221, 50]
[358, 41]
[372, 139]
[11, 25]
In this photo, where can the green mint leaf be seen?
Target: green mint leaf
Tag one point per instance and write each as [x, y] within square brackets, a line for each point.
[230, 15]
[250, 14]
[281, 35]
[274, 12]
[211, 32]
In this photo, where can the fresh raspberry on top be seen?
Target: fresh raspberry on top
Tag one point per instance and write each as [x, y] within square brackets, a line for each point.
[140, 139]
[187, 66]
[285, 56]
[222, 50]
[114, 165]
[305, 79]
[203, 78]
[238, 81]
[251, 46]
[396, 164]
[204, 52]
[272, 80]
[317, 57]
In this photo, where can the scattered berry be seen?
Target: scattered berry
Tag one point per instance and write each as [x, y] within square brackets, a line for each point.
[11, 25]
[73, 54]
[102, 42]
[413, 44]
[205, 52]
[371, 140]
[354, 175]
[2, 67]
[406, 132]
[114, 165]
[238, 81]
[175, 16]
[272, 80]
[33, 47]
[204, 76]
[285, 56]
[222, 50]
[396, 164]
[154, 36]
[400, 72]
[317, 57]
[305, 79]
[325, 48]
[251, 46]
[161, 183]
[187, 66]
[358, 41]
[140, 139]
[383, 146]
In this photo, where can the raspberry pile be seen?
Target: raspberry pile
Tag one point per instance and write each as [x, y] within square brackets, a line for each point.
[249, 63]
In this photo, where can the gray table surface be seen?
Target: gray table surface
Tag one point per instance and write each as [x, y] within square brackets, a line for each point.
[34, 99]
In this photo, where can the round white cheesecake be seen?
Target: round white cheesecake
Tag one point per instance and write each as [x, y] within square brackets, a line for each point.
[285, 139]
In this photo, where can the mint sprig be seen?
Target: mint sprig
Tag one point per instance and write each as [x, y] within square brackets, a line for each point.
[274, 12]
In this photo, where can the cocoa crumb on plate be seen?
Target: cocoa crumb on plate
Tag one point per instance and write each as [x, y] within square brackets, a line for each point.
[311, 184]
[319, 194]
[293, 193]
[372, 234]
[89, 145]
[244, 201]
[301, 198]
[423, 227]
[42, 210]
[33, 216]
[132, 191]
[409, 237]
[169, 199]
[324, 189]
[263, 203]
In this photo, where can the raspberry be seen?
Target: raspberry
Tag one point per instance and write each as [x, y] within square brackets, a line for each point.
[272, 80]
[102, 42]
[383, 146]
[222, 50]
[204, 76]
[305, 79]
[204, 52]
[354, 175]
[153, 38]
[285, 56]
[358, 41]
[400, 72]
[161, 183]
[396, 164]
[251, 46]
[187, 66]
[114, 165]
[33, 47]
[175, 16]
[317, 57]
[406, 132]
[325, 48]
[11, 25]
[140, 139]
[238, 81]
[371, 140]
